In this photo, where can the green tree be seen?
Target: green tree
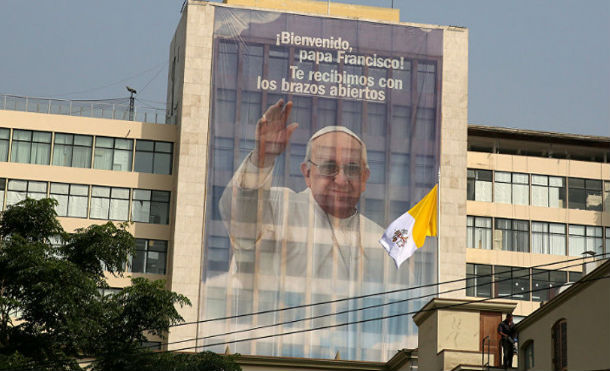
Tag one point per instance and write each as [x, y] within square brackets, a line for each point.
[53, 313]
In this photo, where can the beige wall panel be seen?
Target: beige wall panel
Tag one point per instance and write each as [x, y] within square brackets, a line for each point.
[460, 330]
[452, 189]
[538, 165]
[139, 230]
[480, 160]
[582, 169]
[427, 343]
[63, 174]
[479, 256]
[549, 166]
[535, 213]
[87, 125]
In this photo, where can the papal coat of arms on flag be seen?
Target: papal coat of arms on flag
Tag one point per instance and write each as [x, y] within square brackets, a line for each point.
[408, 233]
[400, 237]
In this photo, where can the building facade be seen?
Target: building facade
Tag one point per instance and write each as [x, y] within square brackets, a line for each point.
[511, 202]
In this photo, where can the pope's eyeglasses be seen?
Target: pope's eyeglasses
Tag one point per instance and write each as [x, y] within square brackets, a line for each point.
[331, 169]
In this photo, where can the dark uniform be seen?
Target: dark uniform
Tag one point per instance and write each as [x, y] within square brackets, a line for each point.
[506, 328]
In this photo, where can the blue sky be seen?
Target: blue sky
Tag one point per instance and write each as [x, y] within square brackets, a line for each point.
[537, 65]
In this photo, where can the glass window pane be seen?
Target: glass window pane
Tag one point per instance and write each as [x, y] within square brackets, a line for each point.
[103, 158]
[144, 162]
[145, 145]
[104, 142]
[126, 144]
[119, 209]
[122, 160]
[81, 157]
[163, 163]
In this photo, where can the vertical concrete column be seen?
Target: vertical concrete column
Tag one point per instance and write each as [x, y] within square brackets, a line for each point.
[194, 44]
[452, 224]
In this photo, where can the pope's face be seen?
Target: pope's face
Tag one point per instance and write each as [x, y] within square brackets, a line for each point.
[337, 174]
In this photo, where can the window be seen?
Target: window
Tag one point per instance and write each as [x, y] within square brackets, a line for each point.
[478, 280]
[2, 189]
[301, 111]
[425, 176]
[528, 355]
[150, 206]
[585, 194]
[606, 192]
[224, 107]
[424, 121]
[426, 81]
[520, 189]
[72, 199]
[72, 150]
[109, 203]
[150, 257]
[352, 115]
[31, 147]
[511, 188]
[278, 64]
[478, 232]
[548, 238]
[218, 254]
[548, 191]
[107, 291]
[574, 276]
[479, 185]
[223, 154]
[327, 112]
[513, 235]
[250, 106]
[18, 190]
[399, 173]
[607, 240]
[512, 282]
[376, 117]
[375, 210]
[227, 62]
[113, 153]
[545, 283]
[376, 160]
[153, 157]
[294, 299]
[252, 62]
[559, 338]
[585, 238]
[400, 124]
[297, 154]
[4, 143]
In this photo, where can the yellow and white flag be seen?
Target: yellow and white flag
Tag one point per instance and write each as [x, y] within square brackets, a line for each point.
[408, 232]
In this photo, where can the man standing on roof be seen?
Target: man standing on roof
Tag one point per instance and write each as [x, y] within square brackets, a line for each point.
[507, 330]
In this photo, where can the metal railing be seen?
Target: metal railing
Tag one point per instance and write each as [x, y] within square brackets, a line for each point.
[116, 109]
[487, 340]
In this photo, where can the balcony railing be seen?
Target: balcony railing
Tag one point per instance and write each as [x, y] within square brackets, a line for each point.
[116, 109]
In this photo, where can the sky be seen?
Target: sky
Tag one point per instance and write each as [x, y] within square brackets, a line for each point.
[539, 65]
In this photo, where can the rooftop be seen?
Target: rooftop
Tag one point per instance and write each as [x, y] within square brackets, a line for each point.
[116, 109]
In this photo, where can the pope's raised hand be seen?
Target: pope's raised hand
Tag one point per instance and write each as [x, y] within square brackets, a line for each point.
[272, 133]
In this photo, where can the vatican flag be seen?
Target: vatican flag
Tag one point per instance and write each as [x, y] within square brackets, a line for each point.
[408, 233]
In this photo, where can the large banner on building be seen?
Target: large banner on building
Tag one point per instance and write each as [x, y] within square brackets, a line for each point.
[322, 132]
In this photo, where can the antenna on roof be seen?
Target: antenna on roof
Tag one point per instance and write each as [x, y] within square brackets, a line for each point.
[132, 91]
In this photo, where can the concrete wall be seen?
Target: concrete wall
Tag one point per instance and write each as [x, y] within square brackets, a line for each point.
[452, 190]
[193, 43]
